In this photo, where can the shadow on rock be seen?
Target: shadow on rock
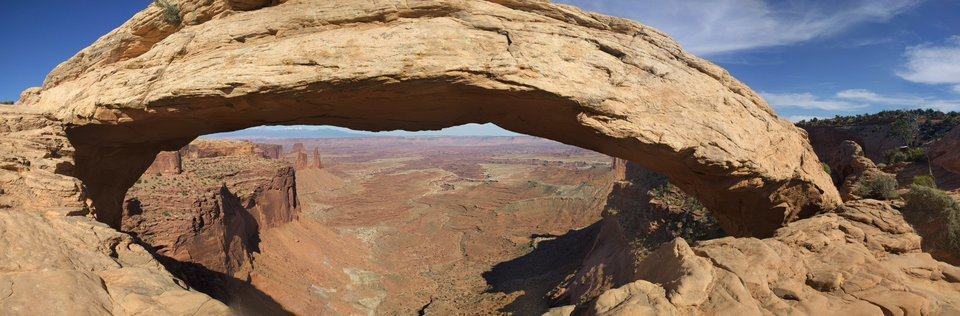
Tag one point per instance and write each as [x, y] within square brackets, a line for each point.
[540, 271]
[242, 297]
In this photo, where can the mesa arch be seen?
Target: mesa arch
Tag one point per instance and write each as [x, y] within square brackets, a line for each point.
[553, 71]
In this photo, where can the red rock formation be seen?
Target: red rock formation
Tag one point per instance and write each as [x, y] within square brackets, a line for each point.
[298, 148]
[167, 162]
[303, 161]
[209, 149]
[205, 223]
[317, 161]
[270, 151]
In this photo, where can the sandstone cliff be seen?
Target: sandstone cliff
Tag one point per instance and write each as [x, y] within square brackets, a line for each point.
[205, 223]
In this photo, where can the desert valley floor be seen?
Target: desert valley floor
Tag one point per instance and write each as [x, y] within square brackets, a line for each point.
[406, 225]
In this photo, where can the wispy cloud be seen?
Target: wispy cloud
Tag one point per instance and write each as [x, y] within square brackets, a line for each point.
[809, 101]
[857, 99]
[908, 101]
[934, 64]
[722, 26]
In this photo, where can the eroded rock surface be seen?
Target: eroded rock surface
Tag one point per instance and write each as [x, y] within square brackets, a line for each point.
[528, 66]
[55, 261]
[863, 259]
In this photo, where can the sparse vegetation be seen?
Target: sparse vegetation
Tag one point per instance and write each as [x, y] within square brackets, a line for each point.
[695, 222]
[7, 102]
[913, 127]
[880, 186]
[928, 205]
[171, 13]
[918, 155]
[826, 168]
[925, 181]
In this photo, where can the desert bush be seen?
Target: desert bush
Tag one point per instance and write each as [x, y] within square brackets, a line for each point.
[7, 102]
[695, 222]
[880, 186]
[826, 168]
[909, 155]
[171, 14]
[926, 204]
[925, 181]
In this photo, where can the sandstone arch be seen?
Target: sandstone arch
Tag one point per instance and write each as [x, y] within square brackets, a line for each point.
[541, 69]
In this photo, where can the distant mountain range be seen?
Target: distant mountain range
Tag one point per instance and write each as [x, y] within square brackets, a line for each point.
[283, 132]
[303, 132]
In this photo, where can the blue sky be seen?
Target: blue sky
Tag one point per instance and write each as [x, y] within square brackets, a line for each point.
[807, 58]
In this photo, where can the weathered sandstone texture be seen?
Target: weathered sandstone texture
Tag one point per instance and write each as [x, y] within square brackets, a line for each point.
[585, 79]
[864, 259]
[55, 261]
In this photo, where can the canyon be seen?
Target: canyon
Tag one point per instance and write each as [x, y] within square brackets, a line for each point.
[389, 226]
[687, 193]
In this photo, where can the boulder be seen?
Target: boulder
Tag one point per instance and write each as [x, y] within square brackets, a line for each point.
[863, 259]
[849, 167]
[585, 79]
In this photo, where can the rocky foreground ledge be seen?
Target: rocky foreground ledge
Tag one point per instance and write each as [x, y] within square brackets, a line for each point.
[863, 259]
[54, 259]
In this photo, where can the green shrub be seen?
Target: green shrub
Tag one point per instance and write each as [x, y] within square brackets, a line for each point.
[926, 204]
[826, 168]
[909, 155]
[880, 186]
[171, 14]
[694, 222]
[925, 181]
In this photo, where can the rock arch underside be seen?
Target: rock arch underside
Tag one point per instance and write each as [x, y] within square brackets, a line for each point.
[553, 71]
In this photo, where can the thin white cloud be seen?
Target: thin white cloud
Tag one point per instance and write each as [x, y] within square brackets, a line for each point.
[934, 64]
[722, 26]
[866, 96]
[809, 101]
[857, 99]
